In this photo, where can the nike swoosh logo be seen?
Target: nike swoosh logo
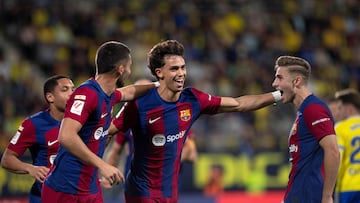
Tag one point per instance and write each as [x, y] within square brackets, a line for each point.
[151, 121]
[103, 115]
[52, 143]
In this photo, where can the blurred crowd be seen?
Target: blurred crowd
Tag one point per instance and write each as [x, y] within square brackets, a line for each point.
[231, 46]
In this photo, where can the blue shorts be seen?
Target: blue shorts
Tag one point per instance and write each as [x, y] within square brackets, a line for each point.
[349, 197]
[34, 198]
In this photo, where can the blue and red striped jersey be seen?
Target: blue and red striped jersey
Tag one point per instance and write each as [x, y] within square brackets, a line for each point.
[91, 107]
[122, 138]
[38, 133]
[159, 131]
[313, 122]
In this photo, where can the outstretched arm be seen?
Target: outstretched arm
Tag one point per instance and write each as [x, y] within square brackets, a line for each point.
[131, 92]
[248, 102]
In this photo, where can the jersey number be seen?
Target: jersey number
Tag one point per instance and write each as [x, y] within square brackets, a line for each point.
[355, 143]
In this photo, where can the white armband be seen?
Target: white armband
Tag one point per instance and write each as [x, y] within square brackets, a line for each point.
[276, 95]
[157, 84]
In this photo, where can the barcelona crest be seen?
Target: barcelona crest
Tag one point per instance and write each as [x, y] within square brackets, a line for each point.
[294, 127]
[185, 115]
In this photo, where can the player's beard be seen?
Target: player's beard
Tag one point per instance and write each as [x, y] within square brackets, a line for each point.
[119, 82]
[121, 78]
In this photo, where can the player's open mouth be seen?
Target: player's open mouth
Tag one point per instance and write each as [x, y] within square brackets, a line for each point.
[180, 82]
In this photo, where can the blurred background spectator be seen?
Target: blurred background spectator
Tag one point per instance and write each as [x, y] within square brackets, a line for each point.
[230, 49]
[215, 184]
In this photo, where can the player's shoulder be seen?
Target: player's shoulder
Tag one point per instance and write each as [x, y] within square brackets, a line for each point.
[190, 91]
[313, 100]
[33, 121]
[340, 125]
[89, 87]
[149, 93]
[41, 115]
[36, 115]
[85, 93]
[151, 96]
[353, 120]
[313, 103]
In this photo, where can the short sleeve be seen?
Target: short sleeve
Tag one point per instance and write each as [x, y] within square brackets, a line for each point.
[117, 96]
[209, 104]
[81, 104]
[24, 137]
[318, 120]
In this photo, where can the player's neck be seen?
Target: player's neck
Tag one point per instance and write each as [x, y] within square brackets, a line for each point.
[301, 95]
[168, 95]
[107, 83]
[56, 114]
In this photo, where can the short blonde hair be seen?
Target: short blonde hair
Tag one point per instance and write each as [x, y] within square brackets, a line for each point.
[294, 65]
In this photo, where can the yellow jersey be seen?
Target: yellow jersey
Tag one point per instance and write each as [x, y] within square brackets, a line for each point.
[348, 136]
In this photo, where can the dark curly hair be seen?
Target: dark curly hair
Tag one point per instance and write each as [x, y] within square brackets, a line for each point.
[160, 50]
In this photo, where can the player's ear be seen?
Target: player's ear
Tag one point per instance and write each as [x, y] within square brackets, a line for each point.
[120, 69]
[159, 73]
[49, 97]
[297, 80]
